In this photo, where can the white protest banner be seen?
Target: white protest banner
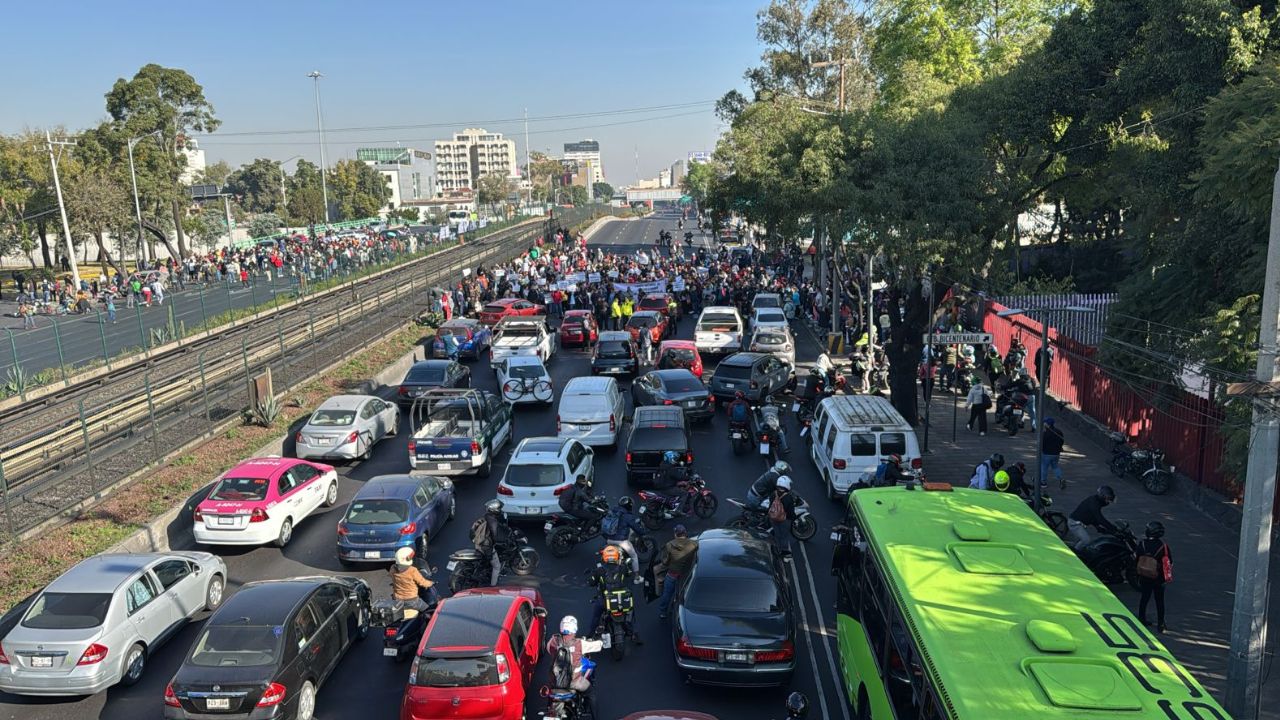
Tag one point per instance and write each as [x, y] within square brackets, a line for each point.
[613, 273]
[657, 286]
[677, 284]
[576, 277]
[466, 272]
[593, 277]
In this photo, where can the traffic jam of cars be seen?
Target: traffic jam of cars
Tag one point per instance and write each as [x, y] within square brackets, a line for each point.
[479, 649]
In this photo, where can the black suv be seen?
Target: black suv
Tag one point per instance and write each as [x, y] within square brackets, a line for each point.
[615, 354]
[654, 431]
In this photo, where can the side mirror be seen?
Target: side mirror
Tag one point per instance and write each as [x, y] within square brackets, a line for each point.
[540, 612]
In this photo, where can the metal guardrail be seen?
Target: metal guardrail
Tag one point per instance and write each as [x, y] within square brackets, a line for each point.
[73, 450]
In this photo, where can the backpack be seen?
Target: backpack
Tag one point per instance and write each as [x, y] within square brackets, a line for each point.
[480, 533]
[567, 498]
[1150, 567]
[738, 412]
[777, 511]
[611, 524]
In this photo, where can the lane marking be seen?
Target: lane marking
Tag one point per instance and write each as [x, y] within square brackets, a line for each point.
[808, 643]
[826, 634]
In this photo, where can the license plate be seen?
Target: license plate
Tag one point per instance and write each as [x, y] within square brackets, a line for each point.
[690, 403]
[643, 508]
[737, 657]
[321, 441]
[453, 564]
[795, 407]
[548, 527]
[835, 536]
[390, 652]
[372, 554]
[419, 393]
[531, 510]
[226, 520]
[728, 384]
[607, 641]
[764, 448]
[1017, 413]
[217, 703]
[738, 436]
[444, 466]
[41, 661]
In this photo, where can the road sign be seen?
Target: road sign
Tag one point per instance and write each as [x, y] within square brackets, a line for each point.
[955, 338]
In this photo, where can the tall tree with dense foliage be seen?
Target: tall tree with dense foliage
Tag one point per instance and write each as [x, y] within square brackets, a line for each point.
[357, 190]
[256, 186]
[306, 194]
[98, 204]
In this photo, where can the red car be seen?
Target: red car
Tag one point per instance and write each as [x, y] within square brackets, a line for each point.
[493, 312]
[579, 328]
[679, 354]
[659, 302]
[652, 321]
[477, 656]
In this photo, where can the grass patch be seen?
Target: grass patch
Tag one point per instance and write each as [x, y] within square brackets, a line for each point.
[25, 569]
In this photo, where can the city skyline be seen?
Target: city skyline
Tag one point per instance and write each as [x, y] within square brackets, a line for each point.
[580, 70]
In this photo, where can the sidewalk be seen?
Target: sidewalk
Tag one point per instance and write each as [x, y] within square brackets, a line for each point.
[1200, 598]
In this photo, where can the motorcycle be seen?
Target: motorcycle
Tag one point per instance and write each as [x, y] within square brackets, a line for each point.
[768, 423]
[564, 531]
[964, 376]
[619, 608]
[1113, 557]
[402, 625]
[563, 702]
[1010, 411]
[739, 437]
[470, 569]
[756, 519]
[1146, 465]
[880, 379]
[656, 508]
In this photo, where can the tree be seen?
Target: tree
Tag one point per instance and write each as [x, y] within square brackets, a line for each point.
[493, 190]
[357, 190]
[798, 33]
[406, 213]
[170, 103]
[215, 174]
[265, 224]
[208, 227]
[602, 191]
[257, 186]
[574, 195]
[306, 195]
[697, 182]
[98, 204]
[26, 196]
[544, 174]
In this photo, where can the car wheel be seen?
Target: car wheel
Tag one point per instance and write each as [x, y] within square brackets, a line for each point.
[487, 468]
[453, 507]
[420, 548]
[306, 701]
[135, 662]
[395, 426]
[368, 448]
[363, 618]
[286, 533]
[331, 494]
[214, 592]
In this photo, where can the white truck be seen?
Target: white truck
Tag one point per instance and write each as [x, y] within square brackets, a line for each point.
[522, 335]
[719, 330]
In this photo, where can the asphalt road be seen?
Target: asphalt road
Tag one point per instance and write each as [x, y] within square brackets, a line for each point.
[368, 686]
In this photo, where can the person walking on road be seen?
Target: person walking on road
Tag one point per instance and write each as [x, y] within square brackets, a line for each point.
[1051, 453]
[677, 556]
[28, 313]
[1155, 569]
[109, 299]
[782, 510]
[978, 402]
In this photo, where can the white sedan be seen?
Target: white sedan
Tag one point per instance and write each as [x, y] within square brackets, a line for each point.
[524, 379]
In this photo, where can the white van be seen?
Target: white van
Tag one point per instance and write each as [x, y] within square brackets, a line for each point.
[719, 330]
[852, 433]
[591, 411]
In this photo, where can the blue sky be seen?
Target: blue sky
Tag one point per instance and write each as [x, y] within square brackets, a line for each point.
[397, 63]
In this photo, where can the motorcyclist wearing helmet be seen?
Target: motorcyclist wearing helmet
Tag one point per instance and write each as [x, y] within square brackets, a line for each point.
[567, 650]
[890, 472]
[984, 474]
[1018, 480]
[763, 488]
[826, 370]
[627, 523]
[407, 581]
[668, 478]
[497, 535]
[782, 528]
[797, 706]
[739, 410]
[1089, 514]
[578, 500]
[612, 576]
[1153, 546]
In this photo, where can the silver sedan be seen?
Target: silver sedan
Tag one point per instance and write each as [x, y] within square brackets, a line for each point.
[777, 341]
[347, 427]
[99, 622]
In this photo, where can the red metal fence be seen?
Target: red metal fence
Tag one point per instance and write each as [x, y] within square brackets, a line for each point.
[1185, 427]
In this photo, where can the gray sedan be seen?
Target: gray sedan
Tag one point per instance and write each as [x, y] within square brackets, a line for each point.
[97, 624]
[776, 341]
[347, 427]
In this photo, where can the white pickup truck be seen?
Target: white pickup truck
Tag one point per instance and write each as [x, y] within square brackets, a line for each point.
[719, 330]
[522, 335]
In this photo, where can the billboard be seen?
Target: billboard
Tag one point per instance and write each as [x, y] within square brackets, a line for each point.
[699, 156]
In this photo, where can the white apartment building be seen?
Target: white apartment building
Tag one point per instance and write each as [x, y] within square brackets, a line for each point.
[584, 152]
[410, 173]
[470, 155]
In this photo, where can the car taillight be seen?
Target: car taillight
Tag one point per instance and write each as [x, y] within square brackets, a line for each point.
[93, 655]
[170, 697]
[558, 424]
[413, 447]
[916, 463]
[684, 649]
[197, 515]
[403, 390]
[628, 458]
[838, 464]
[562, 488]
[390, 632]
[475, 448]
[688, 457]
[787, 652]
[273, 695]
[4, 659]
[342, 530]
[613, 423]
[258, 515]
[754, 384]
[352, 437]
[504, 490]
[504, 670]
[666, 402]
[297, 438]
[711, 399]
[409, 529]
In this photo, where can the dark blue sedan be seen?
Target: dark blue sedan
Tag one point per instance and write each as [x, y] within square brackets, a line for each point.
[391, 512]
[473, 338]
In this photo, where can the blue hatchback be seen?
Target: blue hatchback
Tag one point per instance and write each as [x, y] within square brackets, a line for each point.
[473, 338]
[391, 512]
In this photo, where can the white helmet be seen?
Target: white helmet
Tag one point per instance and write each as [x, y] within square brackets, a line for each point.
[404, 556]
[781, 467]
[784, 482]
[569, 625]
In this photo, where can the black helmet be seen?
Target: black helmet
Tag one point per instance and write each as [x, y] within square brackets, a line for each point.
[1155, 530]
[997, 461]
[797, 705]
[1106, 494]
[626, 503]
[582, 481]
[493, 507]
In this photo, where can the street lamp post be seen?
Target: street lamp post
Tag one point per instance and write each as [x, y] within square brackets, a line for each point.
[324, 164]
[284, 196]
[137, 204]
[1044, 314]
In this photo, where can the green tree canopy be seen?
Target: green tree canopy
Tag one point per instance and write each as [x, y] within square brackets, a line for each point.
[257, 186]
[357, 190]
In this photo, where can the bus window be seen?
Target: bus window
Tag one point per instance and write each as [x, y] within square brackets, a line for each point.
[905, 676]
[871, 610]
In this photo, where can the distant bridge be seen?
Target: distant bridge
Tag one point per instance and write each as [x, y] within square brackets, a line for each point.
[655, 195]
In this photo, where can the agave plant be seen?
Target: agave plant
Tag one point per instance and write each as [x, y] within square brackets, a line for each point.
[17, 381]
[264, 413]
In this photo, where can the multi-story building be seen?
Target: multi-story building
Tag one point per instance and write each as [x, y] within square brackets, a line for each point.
[664, 178]
[677, 173]
[586, 152]
[410, 173]
[470, 155]
[195, 166]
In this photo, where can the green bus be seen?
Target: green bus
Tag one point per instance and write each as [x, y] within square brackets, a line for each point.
[961, 604]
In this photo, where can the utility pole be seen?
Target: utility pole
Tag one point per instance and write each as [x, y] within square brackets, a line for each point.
[324, 163]
[871, 309]
[828, 246]
[840, 65]
[928, 363]
[137, 206]
[528, 164]
[1249, 617]
[62, 206]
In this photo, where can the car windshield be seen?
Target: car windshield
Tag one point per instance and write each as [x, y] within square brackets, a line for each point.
[237, 646]
[654, 303]
[765, 301]
[571, 325]
[613, 349]
[377, 512]
[772, 317]
[527, 372]
[677, 358]
[495, 309]
[770, 339]
[534, 475]
[238, 489]
[332, 418]
[682, 384]
[426, 374]
[455, 331]
[449, 672]
[519, 331]
[718, 323]
[639, 322]
[67, 611]
[732, 594]
[733, 372]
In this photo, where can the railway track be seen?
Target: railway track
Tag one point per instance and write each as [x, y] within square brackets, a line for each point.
[67, 447]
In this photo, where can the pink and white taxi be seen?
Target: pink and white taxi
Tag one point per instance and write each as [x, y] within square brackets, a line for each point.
[260, 501]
